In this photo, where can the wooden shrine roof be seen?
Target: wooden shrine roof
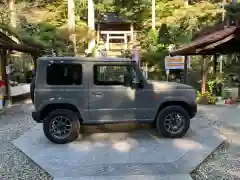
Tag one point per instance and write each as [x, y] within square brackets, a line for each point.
[8, 43]
[223, 41]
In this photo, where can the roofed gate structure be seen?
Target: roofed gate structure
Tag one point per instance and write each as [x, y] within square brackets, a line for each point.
[220, 41]
[115, 34]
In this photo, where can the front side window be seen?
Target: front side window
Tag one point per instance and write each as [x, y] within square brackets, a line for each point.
[64, 74]
[111, 74]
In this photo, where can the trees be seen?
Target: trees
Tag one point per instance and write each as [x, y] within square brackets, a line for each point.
[50, 31]
[181, 21]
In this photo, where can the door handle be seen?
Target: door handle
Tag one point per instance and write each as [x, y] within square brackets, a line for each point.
[97, 93]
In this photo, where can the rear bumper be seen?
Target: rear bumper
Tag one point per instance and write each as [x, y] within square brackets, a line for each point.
[36, 117]
[193, 109]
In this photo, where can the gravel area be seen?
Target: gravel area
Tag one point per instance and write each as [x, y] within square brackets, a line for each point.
[14, 165]
[222, 164]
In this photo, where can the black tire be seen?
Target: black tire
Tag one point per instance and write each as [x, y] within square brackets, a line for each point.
[164, 113]
[75, 130]
[32, 88]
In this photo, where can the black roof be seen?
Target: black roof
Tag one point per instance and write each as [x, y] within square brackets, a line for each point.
[111, 17]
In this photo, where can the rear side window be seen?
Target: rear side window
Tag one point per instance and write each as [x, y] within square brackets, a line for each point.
[64, 74]
[110, 74]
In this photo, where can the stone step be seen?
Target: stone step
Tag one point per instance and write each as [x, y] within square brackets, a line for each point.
[132, 177]
[114, 53]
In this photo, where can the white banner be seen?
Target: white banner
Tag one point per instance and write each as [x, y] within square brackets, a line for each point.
[176, 62]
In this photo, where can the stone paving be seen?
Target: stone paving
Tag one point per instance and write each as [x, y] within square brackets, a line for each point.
[224, 163]
[124, 151]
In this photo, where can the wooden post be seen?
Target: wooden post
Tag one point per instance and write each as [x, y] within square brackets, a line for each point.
[186, 69]
[204, 74]
[5, 75]
[107, 43]
[35, 57]
[125, 41]
[132, 30]
[215, 64]
[98, 33]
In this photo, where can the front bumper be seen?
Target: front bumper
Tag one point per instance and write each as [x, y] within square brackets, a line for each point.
[36, 117]
[193, 109]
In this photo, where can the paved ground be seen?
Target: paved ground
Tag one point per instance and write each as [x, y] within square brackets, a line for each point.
[223, 164]
[120, 150]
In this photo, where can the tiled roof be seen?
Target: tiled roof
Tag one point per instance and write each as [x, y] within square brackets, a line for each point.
[8, 43]
[110, 17]
[113, 18]
[205, 40]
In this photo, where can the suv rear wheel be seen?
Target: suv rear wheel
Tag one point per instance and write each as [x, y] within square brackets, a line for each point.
[61, 126]
[173, 122]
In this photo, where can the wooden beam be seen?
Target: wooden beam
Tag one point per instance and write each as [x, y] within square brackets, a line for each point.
[204, 74]
[213, 45]
[116, 37]
[107, 43]
[116, 32]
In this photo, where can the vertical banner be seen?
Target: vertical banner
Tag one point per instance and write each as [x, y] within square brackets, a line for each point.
[136, 55]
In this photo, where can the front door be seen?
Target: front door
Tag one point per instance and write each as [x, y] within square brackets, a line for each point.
[109, 99]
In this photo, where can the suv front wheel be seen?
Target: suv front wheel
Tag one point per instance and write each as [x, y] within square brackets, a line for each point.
[61, 126]
[173, 122]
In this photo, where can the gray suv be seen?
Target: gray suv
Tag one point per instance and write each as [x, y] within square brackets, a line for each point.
[70, 91]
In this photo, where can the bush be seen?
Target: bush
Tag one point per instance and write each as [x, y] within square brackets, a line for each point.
[206, 98]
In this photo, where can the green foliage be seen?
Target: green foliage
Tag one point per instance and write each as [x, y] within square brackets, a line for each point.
[233, 12]
[149, 41]
[182, 22]
[208, 97]
[137, 11]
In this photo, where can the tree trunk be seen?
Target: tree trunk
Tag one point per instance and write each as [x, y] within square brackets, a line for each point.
[11, 6]
[71, 25]
[91, 25]
[153, 14]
